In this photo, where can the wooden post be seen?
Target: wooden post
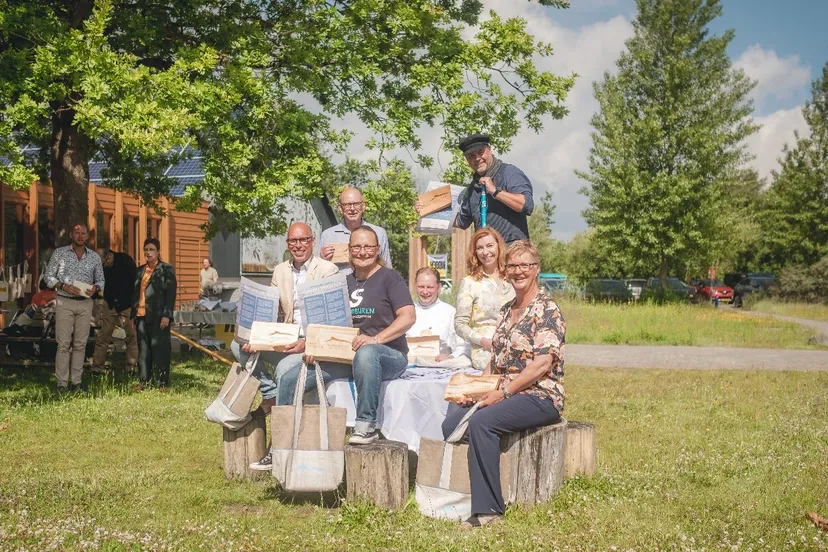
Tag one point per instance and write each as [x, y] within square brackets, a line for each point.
[244, 446]
[164, 229]
[417, 257]
[117, 225]
[141, 235]
[580, 450]
[31, 239]
[378, 473]
[460, 241]
[92, 218]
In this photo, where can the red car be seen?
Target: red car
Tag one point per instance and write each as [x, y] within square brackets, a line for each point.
[714, 289]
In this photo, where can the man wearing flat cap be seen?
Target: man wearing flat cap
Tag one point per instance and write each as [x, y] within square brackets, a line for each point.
[508, 190]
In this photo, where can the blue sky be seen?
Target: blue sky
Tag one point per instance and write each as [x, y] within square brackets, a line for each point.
[781, 45]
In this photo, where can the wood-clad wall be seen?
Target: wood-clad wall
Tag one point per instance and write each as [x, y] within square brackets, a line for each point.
[182, 240]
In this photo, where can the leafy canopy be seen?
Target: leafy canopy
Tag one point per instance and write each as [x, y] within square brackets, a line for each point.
[255, 86]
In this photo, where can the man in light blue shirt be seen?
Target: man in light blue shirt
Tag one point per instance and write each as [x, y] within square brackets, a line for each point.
[351, 206]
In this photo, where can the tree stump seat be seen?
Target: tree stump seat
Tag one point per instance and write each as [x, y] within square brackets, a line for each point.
[581, 449]
[377, 473]
[244, 446]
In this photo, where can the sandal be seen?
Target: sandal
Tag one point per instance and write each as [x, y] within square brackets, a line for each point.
[479, 520]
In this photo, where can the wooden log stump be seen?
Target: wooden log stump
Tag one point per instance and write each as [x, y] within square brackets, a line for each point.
[377, 473]
[580, 450]
[532, 463]
[241, 447]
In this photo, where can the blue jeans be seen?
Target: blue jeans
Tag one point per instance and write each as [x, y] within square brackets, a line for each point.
[373, 364]
[268, 384]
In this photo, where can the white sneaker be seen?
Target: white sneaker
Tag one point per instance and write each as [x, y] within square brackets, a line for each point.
[363, 438]
[265, 464]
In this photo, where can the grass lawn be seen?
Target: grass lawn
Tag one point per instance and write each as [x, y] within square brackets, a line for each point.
[688, 460]
[700, 325]
[814, 311]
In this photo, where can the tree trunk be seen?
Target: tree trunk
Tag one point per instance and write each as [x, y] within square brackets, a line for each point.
[377, 473]
[663, 272]
[69, 167]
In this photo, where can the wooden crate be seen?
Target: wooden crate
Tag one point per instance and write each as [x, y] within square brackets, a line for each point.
[462, 387]
[273, 336]
[424, 346]
[435, 200]
[331, 343]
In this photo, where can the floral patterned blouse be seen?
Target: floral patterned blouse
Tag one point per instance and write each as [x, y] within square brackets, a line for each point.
[478, 312]
[539, 331]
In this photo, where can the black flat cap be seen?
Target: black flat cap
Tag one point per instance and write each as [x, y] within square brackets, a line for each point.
[473, 143]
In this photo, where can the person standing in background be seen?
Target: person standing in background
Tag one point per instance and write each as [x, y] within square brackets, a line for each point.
[70, 267]
[153, 303]
[351, 207]
[119, 271]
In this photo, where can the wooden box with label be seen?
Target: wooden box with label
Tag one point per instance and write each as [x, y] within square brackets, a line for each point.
[424, 346]
[273, 336]
[331, 343]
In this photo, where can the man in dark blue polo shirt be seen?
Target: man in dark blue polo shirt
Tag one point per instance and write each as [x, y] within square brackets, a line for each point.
[508, 190]
[119, 272]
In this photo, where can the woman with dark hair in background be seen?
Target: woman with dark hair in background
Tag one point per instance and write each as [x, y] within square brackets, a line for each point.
[153, 304]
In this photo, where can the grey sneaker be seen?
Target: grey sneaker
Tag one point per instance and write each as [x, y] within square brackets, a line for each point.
[265, 464]
[363, 438]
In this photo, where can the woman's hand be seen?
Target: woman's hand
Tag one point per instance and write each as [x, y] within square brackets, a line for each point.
[294, 348]
[491, 398]
[246, 348]
[363, 339]
[308, 359]
[164, 322]
[486, 343]
[440, 358]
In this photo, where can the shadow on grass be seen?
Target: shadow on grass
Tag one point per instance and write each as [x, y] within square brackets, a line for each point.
[27, 385]
[330, 499]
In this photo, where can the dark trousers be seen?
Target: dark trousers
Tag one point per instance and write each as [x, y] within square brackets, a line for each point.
[154, 348]
[511, 415]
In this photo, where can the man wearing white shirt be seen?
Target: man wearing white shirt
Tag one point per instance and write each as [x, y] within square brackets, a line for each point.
[434, 317]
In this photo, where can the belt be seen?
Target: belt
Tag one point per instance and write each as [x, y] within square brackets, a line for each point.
[72, 297]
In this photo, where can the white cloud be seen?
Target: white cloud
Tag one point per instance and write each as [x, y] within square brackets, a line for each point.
[777, 130]
[776, 77]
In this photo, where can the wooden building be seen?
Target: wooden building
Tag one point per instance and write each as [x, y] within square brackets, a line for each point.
[116, 220]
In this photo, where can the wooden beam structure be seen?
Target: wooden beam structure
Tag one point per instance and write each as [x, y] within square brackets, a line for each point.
[92, 218]
[164, 228]
[460, 243]
[417, 258]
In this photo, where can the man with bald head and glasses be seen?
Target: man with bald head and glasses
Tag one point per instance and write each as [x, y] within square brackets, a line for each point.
[303, 266]
[351, 207]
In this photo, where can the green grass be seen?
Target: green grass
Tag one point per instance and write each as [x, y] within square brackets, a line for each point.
[688, 460]
[813, 311]
[678, 324]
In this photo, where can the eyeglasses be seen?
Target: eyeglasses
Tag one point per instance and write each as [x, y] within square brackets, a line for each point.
[359, 248]
[524, 267]
[297, 241]
[356, 205]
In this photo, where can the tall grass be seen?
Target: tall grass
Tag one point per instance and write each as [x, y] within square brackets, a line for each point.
[812, 311]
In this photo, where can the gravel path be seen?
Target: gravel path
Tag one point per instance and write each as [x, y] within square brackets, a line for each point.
[707, 358]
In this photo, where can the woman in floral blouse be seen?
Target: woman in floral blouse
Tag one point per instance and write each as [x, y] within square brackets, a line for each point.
[481, 295]
[528, 346]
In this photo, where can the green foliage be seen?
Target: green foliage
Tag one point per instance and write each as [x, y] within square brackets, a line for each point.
[794, 216]
[254, 86]
[670, 130]
[808, 284]
[389, 200]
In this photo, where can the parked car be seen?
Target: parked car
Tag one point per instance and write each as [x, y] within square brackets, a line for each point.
[607, 290]
[755, 281]
[674, 287]
[715, 289]
[552, 281]
[636, 286]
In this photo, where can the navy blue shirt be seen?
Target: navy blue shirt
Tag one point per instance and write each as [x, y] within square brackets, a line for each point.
[375, 302]
[512, 225]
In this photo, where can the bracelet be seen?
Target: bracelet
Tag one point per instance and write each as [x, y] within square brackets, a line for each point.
[506, 393]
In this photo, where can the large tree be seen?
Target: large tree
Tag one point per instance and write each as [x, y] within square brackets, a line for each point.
[670, 131]
[254, 85]
[794, 219]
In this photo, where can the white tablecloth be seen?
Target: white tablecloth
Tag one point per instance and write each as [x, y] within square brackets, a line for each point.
[410, 407]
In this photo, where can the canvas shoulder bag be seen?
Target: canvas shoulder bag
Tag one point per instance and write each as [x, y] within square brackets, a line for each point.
[308, 458]
[231, 408]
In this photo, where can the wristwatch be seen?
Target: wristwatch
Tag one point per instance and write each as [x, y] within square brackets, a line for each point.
[497, 191]
[506, 393]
